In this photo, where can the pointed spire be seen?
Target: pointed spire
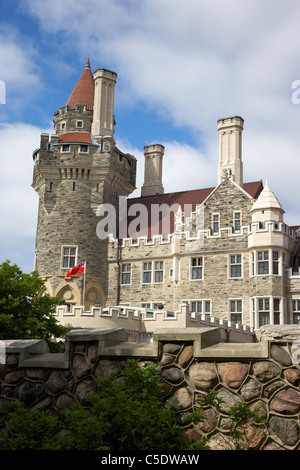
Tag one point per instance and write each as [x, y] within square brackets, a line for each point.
[267, 200]
[83, 92]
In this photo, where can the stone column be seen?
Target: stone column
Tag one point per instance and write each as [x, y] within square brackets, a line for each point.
[230, 149]
[153, 170]
[103, 118]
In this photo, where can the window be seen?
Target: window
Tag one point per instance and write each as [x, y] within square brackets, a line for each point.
[83, 148]
[65, 148]
[263, 262]
[159, 271]
[296, 311]
[158, 306]
[264, 311]
[268, 262]
[150, 307]
[215, 221]
[197, 265]
[63, 126]
[147, 271]
[69, 254]
[275, 262]
[200, 306]
[126, 274]
[276, 307]
[237, 221]
[236, 266]
[235, 307]
[196, 306]
[79, 124]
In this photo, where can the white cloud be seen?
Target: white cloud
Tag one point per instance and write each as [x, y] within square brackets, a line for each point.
[191, 62]
[19, 68]
[19, 202]
[194, 62]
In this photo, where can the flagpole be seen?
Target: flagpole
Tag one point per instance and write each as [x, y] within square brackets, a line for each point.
[84, 279]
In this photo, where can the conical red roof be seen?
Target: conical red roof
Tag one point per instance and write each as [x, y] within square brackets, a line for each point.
[83, 92]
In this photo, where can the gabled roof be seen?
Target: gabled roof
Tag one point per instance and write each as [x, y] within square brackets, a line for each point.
[187, 200]
[83, 92]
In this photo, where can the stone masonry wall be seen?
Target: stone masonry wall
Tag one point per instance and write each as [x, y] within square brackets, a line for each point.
[191, 361]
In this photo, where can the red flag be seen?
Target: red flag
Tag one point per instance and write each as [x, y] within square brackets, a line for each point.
[79, 269]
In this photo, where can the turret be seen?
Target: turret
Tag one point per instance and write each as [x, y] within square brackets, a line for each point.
[230, 149]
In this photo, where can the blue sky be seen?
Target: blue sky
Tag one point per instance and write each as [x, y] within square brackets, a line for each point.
[181, 66]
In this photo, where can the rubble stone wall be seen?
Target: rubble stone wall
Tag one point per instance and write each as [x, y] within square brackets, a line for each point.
[191, 361]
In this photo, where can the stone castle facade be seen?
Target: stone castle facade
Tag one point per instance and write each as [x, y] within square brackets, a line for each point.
[223, 251]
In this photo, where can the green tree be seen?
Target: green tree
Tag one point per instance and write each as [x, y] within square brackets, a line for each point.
[26, 310]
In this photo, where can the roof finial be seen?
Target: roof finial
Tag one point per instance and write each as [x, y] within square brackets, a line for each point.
[87, 65]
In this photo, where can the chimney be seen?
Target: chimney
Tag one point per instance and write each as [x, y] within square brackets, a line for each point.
[230, 149]
[103, 116]
[153, 170]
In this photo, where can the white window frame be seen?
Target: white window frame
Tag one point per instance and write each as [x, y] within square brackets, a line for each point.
[196, 267]
[213, 222]
[270, 257]
[82, 122]
[126, 272]
[69, 256]
[296, 310]
[236, 310]
[158, 271]
[266, 306]
[65, 151]
[83, 151]
[201, 303]
[148, 269]
[237, 220]
[236, 263]
[154, 268]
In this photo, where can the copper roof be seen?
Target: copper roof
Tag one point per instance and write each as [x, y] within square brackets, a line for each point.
[83, 92]
[75, 137]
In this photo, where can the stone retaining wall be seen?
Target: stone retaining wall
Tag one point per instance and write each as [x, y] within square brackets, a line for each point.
[192, 361]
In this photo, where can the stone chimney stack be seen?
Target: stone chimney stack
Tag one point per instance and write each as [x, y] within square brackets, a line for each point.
[153, 170]
[230, 149]
[103, 117]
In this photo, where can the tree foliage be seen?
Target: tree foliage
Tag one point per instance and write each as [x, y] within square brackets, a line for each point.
[26, 310]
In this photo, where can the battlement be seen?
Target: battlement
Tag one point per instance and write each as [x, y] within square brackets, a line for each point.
[141, 323]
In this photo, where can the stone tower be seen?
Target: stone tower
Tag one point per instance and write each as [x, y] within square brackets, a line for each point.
[230, 149]
[153, 170]
[76, 169]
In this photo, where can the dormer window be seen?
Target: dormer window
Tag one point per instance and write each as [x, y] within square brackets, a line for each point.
[66, 148]
[83, 148]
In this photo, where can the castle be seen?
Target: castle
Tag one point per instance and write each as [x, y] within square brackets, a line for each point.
[223, 251]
